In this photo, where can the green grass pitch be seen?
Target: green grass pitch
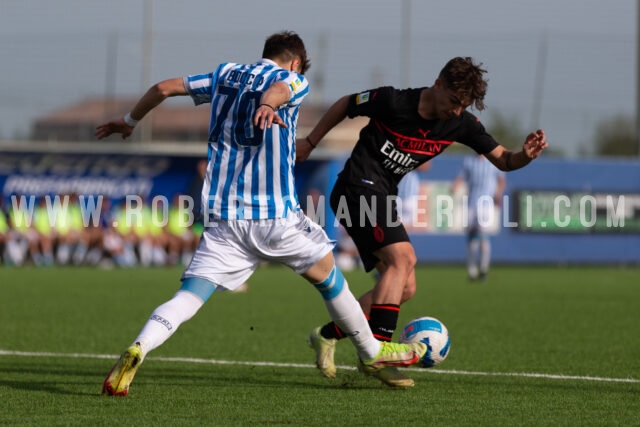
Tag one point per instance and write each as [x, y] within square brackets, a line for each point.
[533, 346]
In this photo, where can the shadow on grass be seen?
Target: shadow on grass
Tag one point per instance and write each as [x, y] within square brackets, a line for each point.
[64, 377]
[61, 379]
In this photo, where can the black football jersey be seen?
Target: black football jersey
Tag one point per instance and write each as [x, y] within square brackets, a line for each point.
[397, 140]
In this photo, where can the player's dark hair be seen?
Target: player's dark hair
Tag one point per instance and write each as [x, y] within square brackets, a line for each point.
[465, 78]
[286, 46]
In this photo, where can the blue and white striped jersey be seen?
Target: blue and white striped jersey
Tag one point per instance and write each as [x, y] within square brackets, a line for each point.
[481, 177]
[250, 172]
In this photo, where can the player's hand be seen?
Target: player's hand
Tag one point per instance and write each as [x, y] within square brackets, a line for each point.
[534, 144]
[114, 126]
[303, 149]
[266, 116]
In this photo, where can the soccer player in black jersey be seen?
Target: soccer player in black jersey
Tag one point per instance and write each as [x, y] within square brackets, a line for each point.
[406, 128]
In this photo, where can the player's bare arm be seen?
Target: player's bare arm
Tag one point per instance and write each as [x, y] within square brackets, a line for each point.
[507, 160]
[267, 111]
[334, 115]
[152, 98]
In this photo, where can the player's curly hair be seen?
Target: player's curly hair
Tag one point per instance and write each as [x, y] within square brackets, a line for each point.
[465, 78]
[286, 45]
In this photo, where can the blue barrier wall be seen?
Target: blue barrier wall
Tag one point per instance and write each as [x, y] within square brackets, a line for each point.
[150, 175]
[89, 173]
[512, 246]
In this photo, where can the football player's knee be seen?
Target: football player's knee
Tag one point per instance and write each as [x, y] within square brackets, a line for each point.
[413, 260]
[409, 291]
[408, 262]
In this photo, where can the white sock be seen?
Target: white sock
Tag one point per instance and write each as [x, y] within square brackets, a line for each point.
[159, 256]
[472, 257]
[79, 253]
[145, 250]
[64, 253]
[15, 252]
[186, 257]
[485, 255]
[346, 312]
[166, 318]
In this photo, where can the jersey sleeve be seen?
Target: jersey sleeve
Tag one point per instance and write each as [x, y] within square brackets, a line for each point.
[476, 136]
[201, 86]
[298, 86]
[374, 103]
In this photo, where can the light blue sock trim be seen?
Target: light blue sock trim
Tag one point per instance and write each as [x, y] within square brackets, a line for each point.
[201, 287]
[332, 285]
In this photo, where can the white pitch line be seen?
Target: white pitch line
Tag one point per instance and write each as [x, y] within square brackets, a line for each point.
[309, 366]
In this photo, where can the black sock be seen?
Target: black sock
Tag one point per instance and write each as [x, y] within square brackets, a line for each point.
[331, 330]
[383, 320]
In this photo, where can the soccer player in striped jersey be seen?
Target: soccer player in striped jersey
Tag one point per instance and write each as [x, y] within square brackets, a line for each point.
[250, 206]
[406, 129]
[485, 185]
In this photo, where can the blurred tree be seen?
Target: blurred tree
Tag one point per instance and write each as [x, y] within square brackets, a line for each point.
[509, 132]
[506, 130]
[616, 136]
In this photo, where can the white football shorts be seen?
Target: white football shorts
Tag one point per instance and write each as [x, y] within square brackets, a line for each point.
[230, 251]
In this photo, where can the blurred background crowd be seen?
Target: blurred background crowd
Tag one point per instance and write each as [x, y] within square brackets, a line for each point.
[125, 234]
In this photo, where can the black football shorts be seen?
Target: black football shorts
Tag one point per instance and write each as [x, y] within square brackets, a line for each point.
[369, 217]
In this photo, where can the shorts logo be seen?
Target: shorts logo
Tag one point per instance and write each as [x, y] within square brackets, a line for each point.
[162, 320]
[378, 233]
[361, 98]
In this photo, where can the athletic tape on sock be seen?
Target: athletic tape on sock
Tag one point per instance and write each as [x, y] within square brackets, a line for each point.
[201, 287]
[332, 285]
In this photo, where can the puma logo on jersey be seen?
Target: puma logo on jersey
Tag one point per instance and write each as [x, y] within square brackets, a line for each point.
[424, 133]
